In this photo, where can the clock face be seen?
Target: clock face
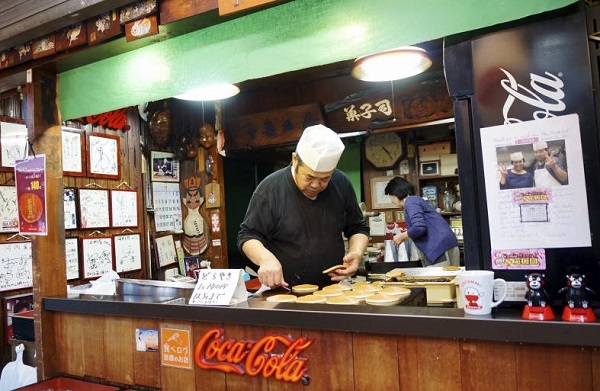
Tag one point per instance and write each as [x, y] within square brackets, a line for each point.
[384, 150]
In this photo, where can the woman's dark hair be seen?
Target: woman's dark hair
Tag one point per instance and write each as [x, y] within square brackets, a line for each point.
[400, 188]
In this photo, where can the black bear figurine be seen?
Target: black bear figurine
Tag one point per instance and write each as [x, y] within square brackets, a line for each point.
[577, 307]
[537, 307]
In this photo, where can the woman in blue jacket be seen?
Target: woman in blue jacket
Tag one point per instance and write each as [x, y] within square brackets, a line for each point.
[426, 227]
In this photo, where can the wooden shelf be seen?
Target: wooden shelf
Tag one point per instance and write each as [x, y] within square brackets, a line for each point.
[437, 177]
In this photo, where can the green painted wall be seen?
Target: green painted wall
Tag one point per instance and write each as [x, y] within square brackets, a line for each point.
[295, 35]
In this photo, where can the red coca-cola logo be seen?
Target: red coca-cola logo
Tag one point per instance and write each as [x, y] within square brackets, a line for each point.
[254, 358]
[116, 120]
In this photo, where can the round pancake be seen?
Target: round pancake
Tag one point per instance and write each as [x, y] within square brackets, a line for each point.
[337, 287]
[344, 300]
[283, 298]
[312, 299]
[384, 300]
[395, 291]
[305, 288]
[327, 293]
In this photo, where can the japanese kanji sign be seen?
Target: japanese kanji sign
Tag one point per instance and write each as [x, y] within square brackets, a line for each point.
[175, 348]
[219, 287]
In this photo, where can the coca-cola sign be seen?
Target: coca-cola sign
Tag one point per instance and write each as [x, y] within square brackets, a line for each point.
[116, 120]
[254, 358]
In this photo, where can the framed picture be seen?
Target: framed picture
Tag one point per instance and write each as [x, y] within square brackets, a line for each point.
[378, 198]
[104, 152]
[9, 212]
[72, 256]
[94, 208]
[73, 152]
[429, 168]
[70, 206]
[96, 256]
[124, 208]
[164, 249]
[16, 265]
[13, 305]
[190, 264]
[165, 167]
[14, 144]
[128, 253]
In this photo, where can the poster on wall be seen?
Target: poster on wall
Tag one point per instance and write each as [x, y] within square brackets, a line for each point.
[167, 207]
[30, 180]
[535, 184]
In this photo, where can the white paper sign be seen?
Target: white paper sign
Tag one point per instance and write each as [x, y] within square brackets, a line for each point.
[543, 215]
[219, 287]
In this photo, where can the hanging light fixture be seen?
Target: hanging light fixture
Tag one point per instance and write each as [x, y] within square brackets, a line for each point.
[210, 93]
[391, 64]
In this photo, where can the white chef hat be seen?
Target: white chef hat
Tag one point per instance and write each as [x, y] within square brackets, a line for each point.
[320, 148]
[540, 145]
[515, 156]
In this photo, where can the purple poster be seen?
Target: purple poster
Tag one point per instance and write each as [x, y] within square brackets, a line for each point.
[30, 178]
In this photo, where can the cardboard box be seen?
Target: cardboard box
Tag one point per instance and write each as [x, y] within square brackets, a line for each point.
[65, 383]
[441, 148]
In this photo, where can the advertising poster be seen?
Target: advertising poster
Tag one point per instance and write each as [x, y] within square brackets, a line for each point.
[30, 178]
[535, 185]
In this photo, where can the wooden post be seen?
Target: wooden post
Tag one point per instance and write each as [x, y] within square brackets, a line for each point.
[49, 263]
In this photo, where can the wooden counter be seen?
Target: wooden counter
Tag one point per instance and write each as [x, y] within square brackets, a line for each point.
[354, 348]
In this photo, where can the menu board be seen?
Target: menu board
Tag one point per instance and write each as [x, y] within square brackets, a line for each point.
[15, 265]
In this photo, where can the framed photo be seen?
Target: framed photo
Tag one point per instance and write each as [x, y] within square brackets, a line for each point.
[9, 212]
[128, 253]
[13, 305]
[104, 156]
[378, 198]
[165, 167]
[191, 264]
[14, 144]
[94, 208]
[70, 206]
[72, 256]
[96, 256]
[124, 208]
[73, 152]
[429, 168]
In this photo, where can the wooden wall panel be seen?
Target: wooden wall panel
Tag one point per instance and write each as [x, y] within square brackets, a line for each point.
[553, 368]
[118, 353]
[485, 363]
[145, 364]
[437, 364]
[336, 361]
[206, 379]
[324, 372]
[375, 360]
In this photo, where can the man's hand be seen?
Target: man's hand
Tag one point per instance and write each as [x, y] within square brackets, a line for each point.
[270, 273]
[351, 261]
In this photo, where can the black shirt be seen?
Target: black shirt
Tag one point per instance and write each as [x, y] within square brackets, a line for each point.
[305, 235]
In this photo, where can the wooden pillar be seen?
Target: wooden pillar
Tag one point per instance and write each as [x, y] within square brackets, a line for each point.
[49, 264]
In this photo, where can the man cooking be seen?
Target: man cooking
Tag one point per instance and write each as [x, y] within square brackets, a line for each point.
[548, 170]
[295, 219]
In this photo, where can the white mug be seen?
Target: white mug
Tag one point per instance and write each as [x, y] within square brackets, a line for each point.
[476, 291]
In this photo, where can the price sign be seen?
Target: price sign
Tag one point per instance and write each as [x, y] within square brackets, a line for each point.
[30, 178]
[219, 287]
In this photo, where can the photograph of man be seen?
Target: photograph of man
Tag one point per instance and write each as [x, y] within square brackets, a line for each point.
[548, 170]
[516, 177]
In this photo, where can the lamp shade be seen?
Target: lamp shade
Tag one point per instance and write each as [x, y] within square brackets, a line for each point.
[210, 93]
[391, 64]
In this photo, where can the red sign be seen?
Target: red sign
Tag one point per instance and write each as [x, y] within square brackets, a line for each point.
[116, 120]
[253, 358]
[30, 178]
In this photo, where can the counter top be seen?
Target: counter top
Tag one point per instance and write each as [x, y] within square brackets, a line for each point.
[504, 324]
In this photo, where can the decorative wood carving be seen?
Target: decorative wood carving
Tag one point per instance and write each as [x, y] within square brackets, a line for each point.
[271, 128]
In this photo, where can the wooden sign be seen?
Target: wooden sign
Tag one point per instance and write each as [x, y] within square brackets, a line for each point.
[103, 27]
[212, 192]
[231, 6]
[174, 10]
[44, 46]
[137, 10]
[374, 108]
[71, 37]
[23, 53]
[141, 28]
[272, 127]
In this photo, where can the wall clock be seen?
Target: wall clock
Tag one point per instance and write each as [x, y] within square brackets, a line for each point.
[384, 150]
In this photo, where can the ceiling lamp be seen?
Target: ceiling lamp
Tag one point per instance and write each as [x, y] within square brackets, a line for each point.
[391, 64]
[214, 92]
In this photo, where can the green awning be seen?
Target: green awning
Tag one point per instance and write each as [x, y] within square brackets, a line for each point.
[295, 35]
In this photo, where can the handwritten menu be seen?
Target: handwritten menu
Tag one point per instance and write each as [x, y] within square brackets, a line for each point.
[128, 255]
[219, 287]
[72, 257]
[15, 265]
[167, 206]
